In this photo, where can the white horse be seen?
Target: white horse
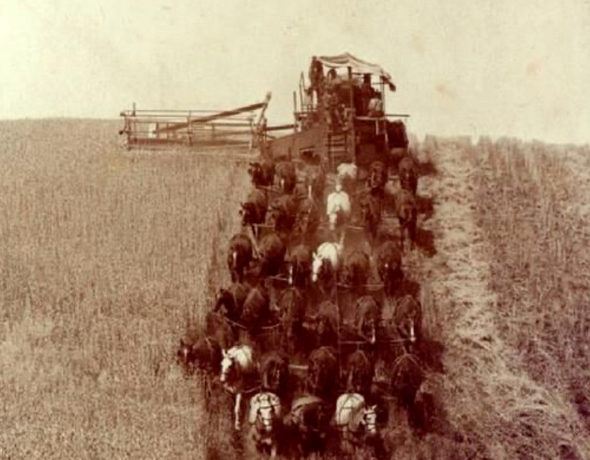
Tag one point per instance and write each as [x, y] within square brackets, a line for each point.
[346, 172]
[327, 253]
[237, 369]
[264, 418]
[355, 419]
[338, 210]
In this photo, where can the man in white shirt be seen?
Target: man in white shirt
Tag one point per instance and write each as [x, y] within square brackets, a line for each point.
[376, 106]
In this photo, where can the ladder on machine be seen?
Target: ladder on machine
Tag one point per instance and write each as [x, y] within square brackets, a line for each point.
[337, 148]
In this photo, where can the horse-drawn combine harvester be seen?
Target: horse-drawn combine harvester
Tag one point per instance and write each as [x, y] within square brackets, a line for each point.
[334, 125]
[315, 324]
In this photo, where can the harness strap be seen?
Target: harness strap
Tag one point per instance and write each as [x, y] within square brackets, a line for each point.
[210, 348]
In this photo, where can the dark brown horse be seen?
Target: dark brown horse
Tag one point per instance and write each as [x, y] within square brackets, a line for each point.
[231, 301]
[299, 266]
[308, 220]
[408, 175]
[377, 176]
[371, 211]
[309, 420]
[355, 273]
[272, 254]
[367, 318]
[292, 304]
[406, 378]
[219, 329]
[274, 373]
[287, 176]
[283, 214]
[359, 373]
[256, 312]
[200, 353]
[327, 324]
[254, 210]
[239, 256]
[389, 266]
[407, 215]
[262, 173]
[316, 182]
[408, 321]
[322, 373]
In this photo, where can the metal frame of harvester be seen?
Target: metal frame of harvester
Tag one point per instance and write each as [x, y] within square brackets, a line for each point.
[153, 129]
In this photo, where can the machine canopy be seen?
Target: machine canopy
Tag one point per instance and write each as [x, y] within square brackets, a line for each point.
[357, 65]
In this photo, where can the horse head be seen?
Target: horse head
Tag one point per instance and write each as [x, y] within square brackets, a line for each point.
[255, 171]
[223, 303]
[368, 315]
[406, 377]
[378, 176]
[406, 206]
[308, 216]
[408, 318]
[369, 330]
[265, 412]
[316, 266]
[335, 218]
[292, 312]
[246, 212]
[229, 368]
[407, 329]
[369, 420]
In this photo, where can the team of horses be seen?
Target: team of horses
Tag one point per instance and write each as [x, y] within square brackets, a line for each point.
[300, 331]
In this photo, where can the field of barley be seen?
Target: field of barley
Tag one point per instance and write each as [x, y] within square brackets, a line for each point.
[107, 255]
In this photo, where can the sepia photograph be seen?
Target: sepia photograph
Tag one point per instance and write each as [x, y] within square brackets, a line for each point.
[246, 229]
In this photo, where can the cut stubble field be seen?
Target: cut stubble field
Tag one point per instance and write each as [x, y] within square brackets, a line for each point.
[106, 256]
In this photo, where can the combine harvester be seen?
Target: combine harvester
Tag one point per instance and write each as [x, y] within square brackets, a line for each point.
[339, 117]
